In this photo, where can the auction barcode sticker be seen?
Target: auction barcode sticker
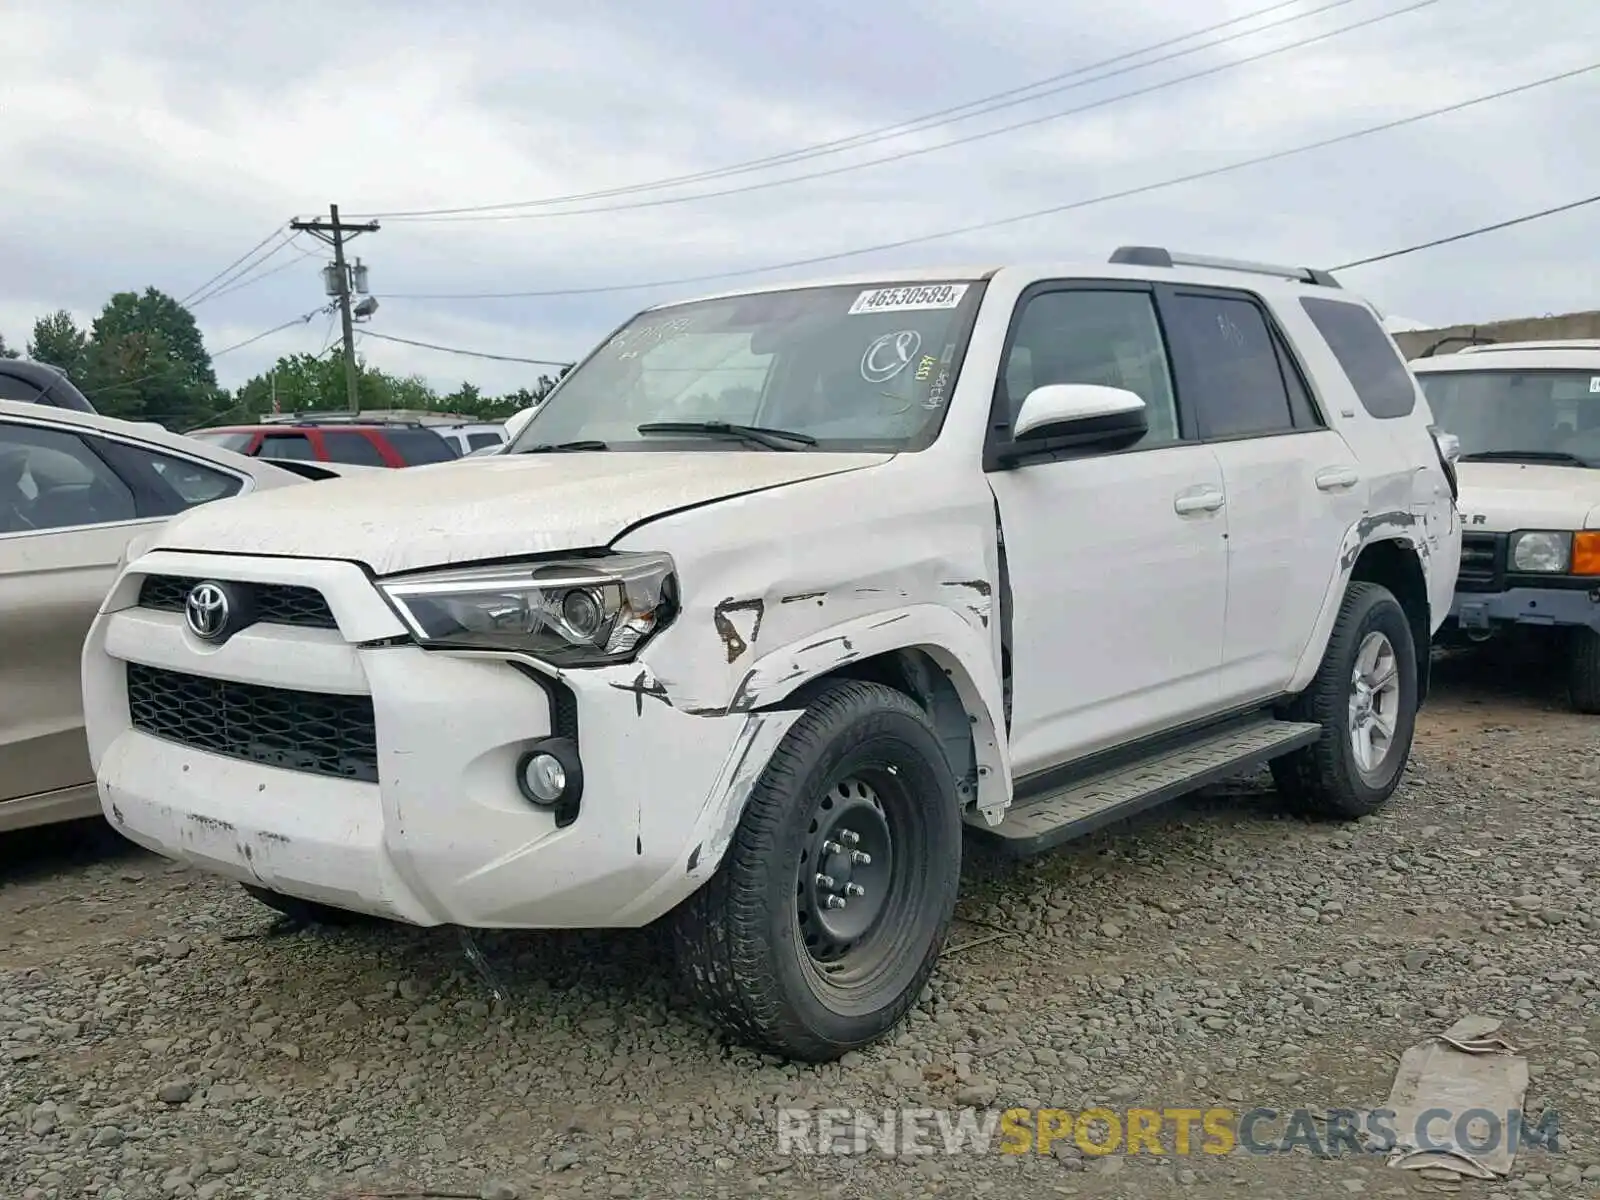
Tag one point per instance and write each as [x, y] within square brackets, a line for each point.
[903, 299]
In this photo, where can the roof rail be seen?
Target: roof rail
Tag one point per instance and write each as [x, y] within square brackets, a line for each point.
[1553, 344]
[336, 418]
[1160, 256]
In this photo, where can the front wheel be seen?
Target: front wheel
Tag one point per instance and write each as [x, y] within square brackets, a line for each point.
[1365, 698]
[1583, 670]
[825, 919]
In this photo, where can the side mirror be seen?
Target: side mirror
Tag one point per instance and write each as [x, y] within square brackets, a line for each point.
[1085, 413]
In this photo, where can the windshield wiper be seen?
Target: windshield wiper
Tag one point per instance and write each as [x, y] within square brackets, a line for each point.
[761, 435]
[563, 447]
[1554, 456]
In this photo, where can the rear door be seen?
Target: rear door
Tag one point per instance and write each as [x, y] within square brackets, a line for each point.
[1294, 487]
[70, 501]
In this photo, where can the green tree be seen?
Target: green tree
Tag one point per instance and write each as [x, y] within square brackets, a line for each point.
[5, 350]
[57, 340]
[316, 383]
[147, 360]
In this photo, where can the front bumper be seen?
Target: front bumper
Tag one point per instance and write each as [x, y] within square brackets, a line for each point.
[443, 835]
[1482, 611]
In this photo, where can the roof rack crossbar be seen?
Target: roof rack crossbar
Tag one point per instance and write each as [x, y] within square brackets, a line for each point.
[1160, 256]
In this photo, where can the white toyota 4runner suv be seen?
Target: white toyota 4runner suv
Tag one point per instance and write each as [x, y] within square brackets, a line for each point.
[781, 590]
[1527, 417]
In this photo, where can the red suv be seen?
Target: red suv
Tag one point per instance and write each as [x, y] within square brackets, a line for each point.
[375, 444]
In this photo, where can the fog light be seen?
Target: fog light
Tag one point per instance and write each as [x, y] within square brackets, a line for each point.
[549, 774]
[545, 778]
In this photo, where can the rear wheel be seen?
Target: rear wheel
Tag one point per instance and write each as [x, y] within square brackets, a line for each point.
[1583, 670]
[826, 917]
[306, 912]
[1365, 698]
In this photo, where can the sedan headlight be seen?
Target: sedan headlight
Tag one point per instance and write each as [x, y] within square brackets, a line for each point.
[1541, 551]
[570, 612]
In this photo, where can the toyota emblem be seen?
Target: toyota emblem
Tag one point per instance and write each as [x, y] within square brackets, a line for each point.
[207, 611]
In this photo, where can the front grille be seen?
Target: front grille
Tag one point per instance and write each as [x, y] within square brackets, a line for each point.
[273, 603]
[298, 731]
[1483, 562]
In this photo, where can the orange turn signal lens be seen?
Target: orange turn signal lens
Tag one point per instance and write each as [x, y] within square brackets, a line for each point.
[1586, 553]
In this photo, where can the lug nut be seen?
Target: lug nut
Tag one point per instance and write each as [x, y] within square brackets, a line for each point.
[835, 902]
[861, 858]
[825, 881]
[832, 848]
[849, 837]
[854, 889]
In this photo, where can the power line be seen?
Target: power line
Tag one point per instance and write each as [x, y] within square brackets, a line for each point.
[300, 320]
[1470, 233]
[255, 279]
[228, 282]
[820, 149]
[275, 233]
[965, 139]
[538, 362]
[1018, 218]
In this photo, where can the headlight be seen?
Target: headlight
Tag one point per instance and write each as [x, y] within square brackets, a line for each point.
[1541, 551]
[571, 612]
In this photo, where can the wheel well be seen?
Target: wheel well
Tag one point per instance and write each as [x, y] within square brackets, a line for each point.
[1395, 565]
[916, 674]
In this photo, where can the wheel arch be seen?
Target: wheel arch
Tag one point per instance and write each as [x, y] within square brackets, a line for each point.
[938, 659]
[1389, 557]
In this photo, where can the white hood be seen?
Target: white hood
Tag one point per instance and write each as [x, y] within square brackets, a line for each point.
[489, 508]
[1511, 496]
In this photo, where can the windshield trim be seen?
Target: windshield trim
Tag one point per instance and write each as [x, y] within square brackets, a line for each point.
[961, 331]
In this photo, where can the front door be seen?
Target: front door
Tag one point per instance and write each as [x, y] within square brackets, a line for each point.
[1117, 562]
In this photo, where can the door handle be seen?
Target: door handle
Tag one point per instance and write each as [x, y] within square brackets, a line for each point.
[1332, 479]
[1200, 499]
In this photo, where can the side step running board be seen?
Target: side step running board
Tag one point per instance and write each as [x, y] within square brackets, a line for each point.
[1039, 823]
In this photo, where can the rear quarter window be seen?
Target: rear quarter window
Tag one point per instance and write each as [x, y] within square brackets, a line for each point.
[418, 446]
[1366, 353]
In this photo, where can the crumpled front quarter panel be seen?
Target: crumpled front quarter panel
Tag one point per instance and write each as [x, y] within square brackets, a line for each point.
[783, 586]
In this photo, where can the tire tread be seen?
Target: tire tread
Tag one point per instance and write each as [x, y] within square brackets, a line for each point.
[718, 931]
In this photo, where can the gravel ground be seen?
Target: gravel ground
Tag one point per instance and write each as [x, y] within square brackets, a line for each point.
[157, 1040]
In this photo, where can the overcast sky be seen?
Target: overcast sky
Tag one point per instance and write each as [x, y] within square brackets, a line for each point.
[154, 142]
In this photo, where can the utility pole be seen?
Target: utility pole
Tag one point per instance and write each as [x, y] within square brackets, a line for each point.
[336, 233]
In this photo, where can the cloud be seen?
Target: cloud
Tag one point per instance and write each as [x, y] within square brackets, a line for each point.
[155, 151]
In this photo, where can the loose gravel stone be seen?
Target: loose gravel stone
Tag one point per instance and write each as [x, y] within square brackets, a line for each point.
[158, 1039]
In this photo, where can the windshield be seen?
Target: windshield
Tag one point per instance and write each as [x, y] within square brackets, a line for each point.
[854, 368]
[1545, 414]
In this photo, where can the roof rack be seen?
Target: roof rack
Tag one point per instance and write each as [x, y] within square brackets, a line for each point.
[1160, 256]
[1553, 344]
[337, 418]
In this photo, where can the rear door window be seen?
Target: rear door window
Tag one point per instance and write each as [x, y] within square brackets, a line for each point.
[288, 445]
[417, 446]
[351, 446]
